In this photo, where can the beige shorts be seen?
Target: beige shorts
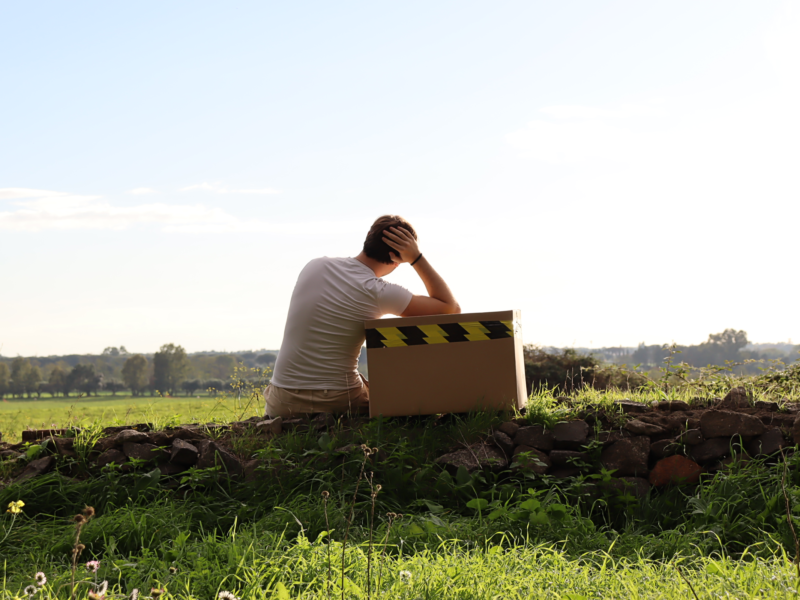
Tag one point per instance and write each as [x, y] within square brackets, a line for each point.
[283, 402]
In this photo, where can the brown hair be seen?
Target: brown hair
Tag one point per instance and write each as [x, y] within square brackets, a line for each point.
[374, 246]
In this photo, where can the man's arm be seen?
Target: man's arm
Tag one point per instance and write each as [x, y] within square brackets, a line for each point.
[440, 300]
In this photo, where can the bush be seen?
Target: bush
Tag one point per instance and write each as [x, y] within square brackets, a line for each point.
[565, 371]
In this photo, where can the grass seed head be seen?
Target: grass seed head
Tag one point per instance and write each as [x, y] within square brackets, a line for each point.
[88, 512]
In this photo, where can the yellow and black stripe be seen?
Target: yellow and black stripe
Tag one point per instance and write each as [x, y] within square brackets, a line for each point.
[445, 333]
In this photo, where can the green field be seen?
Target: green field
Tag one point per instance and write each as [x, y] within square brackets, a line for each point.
[18, 415]
[314, 524]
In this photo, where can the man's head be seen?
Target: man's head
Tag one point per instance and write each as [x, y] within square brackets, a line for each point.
[374, 246]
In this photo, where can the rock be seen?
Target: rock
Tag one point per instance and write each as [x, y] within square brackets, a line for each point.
[534, 436]
[131, 436]
[768, 406]
[109, 456]
[474, 458]
[671, 405]
[212, 455]
[637, 427]
[502, 441]
[691, 437]
[675, 470]
[567, 458]
[10, 455]
[768, 443]
[608, 437]
[711, 449]
[251, 469]
[104, 444]
[531, 459]
[725, 423]
[34, 435]
[571, 435]
[171, 469]
[145, 451]
[564, 472]
[663, 448]
[189, 434]
[159, 438]
[271, 426]
[183, 453]
[37, 467]
[627, 456]
[631, 407]
[65, 447]
[509, 428]
[796, 430]
[323, 422]
[738, 397]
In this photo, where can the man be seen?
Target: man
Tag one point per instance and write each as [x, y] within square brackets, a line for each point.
[316, 370]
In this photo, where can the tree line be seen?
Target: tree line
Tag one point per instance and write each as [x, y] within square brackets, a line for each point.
[718, 349]
[170, 371]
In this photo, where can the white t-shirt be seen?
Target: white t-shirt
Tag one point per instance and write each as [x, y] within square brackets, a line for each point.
[325, 326]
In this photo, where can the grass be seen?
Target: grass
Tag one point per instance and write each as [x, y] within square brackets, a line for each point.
[17, 415]
[480, 535]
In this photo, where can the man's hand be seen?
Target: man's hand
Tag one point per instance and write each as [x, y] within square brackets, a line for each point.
[404, 244]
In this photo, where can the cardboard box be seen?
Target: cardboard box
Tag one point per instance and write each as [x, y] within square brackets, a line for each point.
[445, 363]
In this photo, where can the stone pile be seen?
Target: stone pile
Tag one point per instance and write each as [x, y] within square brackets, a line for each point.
[641, 445]
[173, 451]
[670, 443]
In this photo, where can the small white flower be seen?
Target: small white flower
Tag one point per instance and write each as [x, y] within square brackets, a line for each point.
[40, 579]
[135, 594]
[30, 591]
[405, 576]
[225, 595]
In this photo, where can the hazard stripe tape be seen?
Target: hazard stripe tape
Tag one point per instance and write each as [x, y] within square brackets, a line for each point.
[445, 333]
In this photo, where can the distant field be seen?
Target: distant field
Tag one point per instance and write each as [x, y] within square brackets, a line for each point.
[17, 415]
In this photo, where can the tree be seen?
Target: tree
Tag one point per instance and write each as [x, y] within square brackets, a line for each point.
[115, 386]
[84, 379]
[58, 381]
[19, 375]
[223, 366]
[33, 377]
[170, 366]
[190, 386]
[134, 374]
[268, 358]
[730, 339]
[214, 385]
[4, 379]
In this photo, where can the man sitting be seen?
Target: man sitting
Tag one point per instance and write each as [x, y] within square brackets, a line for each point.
[316, 369]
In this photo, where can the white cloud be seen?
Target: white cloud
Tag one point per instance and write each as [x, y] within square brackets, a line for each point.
[220, 189]
[41, 210]
[141, 191]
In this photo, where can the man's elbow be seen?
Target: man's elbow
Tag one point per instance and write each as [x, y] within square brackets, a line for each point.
[454, 309]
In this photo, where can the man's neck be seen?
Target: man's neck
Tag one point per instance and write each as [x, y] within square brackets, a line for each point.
[378, 268]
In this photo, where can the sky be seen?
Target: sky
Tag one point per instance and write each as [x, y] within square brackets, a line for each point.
[621, 172]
